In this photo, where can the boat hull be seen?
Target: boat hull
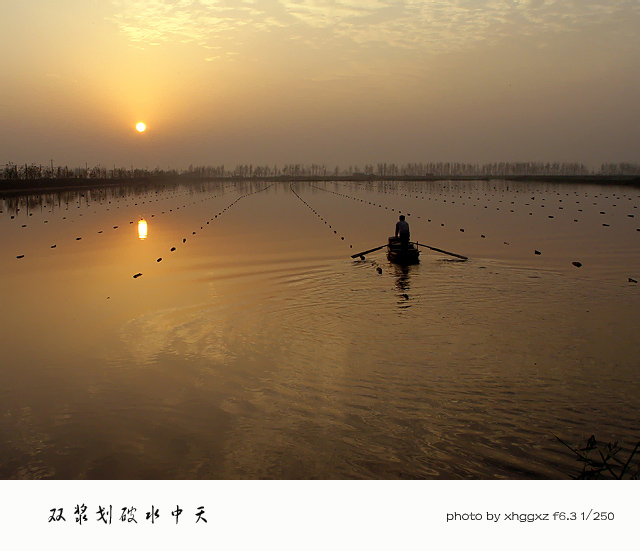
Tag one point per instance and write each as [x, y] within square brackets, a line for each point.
[396, 253]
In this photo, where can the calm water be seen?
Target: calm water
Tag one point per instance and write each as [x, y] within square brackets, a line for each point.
[259, 349]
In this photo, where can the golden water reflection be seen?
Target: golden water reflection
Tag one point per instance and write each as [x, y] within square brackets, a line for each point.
[142, 229]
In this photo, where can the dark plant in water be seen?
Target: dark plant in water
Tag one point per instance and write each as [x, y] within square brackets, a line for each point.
[602, 461]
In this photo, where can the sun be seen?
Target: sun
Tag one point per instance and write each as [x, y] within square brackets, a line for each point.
[141, 127]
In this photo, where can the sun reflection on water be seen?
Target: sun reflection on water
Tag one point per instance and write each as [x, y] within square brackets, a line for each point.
[142, 229]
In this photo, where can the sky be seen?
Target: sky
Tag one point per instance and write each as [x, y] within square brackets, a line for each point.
[335, 82]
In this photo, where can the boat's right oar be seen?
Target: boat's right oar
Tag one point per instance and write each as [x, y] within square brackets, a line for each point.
[444, 252]
[369, 251]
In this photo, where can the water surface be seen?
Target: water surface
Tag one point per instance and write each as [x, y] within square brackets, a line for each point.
[259, 349]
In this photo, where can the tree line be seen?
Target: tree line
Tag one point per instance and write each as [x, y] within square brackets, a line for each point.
[12, 171]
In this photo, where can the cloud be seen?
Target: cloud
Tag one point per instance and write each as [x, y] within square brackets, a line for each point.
[421, 25]
[324, 13]
[185, 20]
[449, 25]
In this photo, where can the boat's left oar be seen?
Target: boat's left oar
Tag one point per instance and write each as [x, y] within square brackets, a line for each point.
[441, 251]
[369, 251]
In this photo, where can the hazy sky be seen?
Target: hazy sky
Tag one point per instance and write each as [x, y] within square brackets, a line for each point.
[319, 81]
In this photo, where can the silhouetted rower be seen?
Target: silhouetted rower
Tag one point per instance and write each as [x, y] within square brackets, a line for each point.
[402, 231]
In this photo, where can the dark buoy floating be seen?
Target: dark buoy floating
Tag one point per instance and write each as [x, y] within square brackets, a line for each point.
[137, 276]
[173, 249]
[631, 280]
[577, 264]
[53, 246]
[20, 256]
[184, 240]
[538, 252]
[159, 259]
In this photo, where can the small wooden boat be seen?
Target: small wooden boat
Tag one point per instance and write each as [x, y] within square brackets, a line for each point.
[409, 255]
[396, 253]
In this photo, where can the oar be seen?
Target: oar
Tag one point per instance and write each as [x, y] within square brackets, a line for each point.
[441, 251]
[369, 251]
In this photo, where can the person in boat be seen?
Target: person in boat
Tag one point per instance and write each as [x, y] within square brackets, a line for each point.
[402, 231]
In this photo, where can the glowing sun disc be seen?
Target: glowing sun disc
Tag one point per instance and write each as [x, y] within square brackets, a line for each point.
[141, 127]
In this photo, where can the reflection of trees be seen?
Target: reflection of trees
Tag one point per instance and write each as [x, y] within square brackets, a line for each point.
[453, 187]
[63, 199]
